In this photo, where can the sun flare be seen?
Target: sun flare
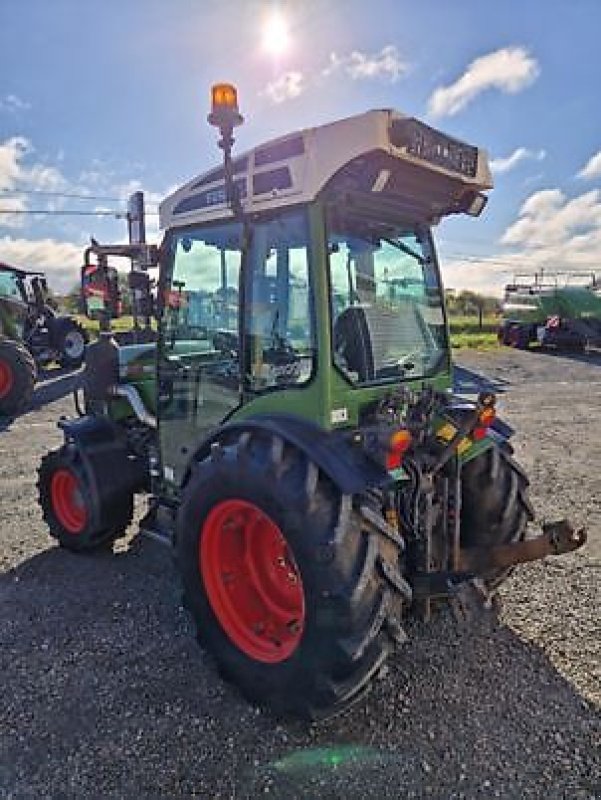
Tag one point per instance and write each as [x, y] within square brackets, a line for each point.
[276, 37]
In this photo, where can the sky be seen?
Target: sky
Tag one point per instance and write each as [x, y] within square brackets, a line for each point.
[101, 98]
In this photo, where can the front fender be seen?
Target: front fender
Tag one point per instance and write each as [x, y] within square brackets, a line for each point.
[110, 469]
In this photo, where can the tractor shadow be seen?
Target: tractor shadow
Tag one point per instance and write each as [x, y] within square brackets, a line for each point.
[100, 653]
[52, 385]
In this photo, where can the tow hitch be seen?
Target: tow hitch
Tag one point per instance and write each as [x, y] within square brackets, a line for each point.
[557, 538]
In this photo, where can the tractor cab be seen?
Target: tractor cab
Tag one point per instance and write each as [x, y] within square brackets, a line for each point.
[13, 305]
[303, 278]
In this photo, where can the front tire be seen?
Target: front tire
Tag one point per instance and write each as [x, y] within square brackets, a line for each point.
[283, 579]
[72, 344]
[66, 498]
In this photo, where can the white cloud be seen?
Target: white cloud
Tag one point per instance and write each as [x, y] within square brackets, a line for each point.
[13, 103]
[15, 175]
[387, 64]
[549, 219]
[15, 220]
[11, 152]
[500, 165]
[592, 168]
[59, 260]
[478, 275]
[384, 65]
[509, 70]
[287, 86]
[552, 232]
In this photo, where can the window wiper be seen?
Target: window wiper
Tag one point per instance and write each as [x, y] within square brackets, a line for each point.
[406, 249]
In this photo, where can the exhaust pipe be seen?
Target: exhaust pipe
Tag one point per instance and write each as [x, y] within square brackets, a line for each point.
[131, 394]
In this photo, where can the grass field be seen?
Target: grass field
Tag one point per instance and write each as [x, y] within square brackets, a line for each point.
[466, 332]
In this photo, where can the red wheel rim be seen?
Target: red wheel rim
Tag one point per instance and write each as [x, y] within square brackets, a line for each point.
[6, 378]
[252, 581]
[67, 501]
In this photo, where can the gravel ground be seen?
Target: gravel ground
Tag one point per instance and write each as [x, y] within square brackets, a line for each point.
[105, 693]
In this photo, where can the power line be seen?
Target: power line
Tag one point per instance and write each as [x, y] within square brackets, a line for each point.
[72, 195]
[502, 262]
[72, 213]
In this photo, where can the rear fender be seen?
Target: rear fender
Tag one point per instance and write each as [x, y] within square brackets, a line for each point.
[348, 467]
[111, 471]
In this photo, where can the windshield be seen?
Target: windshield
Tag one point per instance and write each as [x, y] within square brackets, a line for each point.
[388, 319]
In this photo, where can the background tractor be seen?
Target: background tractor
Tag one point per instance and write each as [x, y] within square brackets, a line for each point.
[48, 336]
[102, 296]
[294, 427]
[552, 309]
[102, 291]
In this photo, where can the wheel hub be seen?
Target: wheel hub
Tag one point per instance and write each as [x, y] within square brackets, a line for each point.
[67, 501]
[252, 581]
[74, 344]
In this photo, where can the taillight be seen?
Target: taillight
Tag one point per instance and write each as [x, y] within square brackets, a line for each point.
[397, 446]
[485, 420]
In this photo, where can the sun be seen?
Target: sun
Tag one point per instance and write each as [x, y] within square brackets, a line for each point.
[275, 38]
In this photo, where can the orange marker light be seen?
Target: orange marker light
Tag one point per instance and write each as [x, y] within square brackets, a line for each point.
[398, 444]
[485, 420]
[224, 106]
[224, 94]
[487, 416]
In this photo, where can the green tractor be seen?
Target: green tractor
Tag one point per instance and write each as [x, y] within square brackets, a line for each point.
[17, 365]
[294, 427]
[552, 309]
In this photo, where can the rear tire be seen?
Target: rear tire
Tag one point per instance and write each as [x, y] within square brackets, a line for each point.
[518, 336]
[66, 499]
[347, 616]
[495, 506]
[17, 377]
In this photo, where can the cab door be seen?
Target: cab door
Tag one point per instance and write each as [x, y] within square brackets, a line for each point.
[199, 351]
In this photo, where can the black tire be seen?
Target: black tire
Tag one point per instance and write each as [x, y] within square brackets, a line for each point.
[503, 334]
[518, 336]
[495, 506]
[351, 611]
[17, 377]
[88, 536]
[71, 344]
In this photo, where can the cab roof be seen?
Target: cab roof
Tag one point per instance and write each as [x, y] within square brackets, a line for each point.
[380, 153]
